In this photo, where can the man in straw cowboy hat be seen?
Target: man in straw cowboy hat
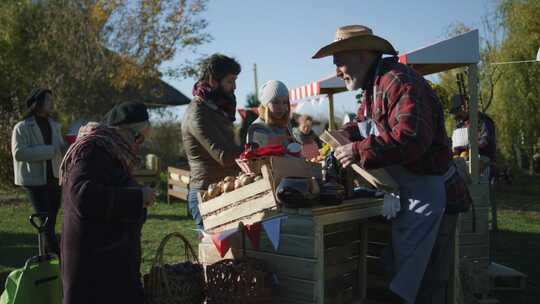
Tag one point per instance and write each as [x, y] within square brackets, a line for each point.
[400, 127]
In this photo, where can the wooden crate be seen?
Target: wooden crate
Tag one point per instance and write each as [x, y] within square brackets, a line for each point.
[481, 221]
[379, 237]
[249, 204]
[474, 243]
[148, 174]
[256, 201]
[480, 195]
[177, 183]
[503, 278]
[474, 276]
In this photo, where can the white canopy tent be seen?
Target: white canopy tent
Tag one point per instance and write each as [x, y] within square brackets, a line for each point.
[458, 51]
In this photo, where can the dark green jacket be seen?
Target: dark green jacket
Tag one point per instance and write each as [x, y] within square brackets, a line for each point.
[210, 144]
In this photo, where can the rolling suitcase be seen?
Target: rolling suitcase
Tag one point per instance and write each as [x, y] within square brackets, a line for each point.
[39, 280]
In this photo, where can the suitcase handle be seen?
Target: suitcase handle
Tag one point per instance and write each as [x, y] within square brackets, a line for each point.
[43, 220]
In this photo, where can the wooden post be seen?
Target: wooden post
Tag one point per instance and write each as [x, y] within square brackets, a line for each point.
[362, 262]
[319, 247]
[473, 123]
[454, 285]
[331, 123]
[255, 81]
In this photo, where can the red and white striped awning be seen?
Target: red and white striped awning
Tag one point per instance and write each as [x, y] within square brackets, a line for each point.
[328, 85]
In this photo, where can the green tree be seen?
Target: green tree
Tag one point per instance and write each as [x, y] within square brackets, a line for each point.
[90, 51]
[517, 96]
[252, 101]
[489, 75]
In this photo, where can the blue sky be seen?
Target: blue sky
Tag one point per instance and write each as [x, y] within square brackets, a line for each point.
[281, 36]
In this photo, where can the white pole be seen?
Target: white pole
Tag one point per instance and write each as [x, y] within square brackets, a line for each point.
[473, 123]
[521, 61]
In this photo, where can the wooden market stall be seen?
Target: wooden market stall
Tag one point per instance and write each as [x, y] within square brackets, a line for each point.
[322, 249]
[332, 254]
[472, 243]
[321, 256]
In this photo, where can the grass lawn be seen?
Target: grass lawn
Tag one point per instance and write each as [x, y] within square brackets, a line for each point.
[516, 244]
[18, 239]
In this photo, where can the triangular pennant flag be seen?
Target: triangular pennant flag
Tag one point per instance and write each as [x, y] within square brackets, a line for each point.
[203, 233]
[272, 228]
[253, 232]
[221, 240]
[222, 246]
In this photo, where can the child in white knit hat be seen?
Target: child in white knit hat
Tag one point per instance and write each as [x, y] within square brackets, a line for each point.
[272, 127]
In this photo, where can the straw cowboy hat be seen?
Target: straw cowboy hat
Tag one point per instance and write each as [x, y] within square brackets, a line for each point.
[355, 37]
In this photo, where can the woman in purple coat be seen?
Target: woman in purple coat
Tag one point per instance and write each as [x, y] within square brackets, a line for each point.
[104, 210]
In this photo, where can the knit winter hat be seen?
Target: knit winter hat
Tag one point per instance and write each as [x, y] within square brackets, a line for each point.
[34, 100]
[271, 90]
[127, 113]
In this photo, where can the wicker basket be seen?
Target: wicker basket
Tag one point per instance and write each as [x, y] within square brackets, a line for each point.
[164, 285]
[243, 281]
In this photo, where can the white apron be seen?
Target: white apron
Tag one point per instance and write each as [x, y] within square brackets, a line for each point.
[416, 226]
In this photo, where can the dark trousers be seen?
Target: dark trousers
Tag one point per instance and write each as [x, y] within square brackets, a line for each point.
[435, 284]
[46, 199]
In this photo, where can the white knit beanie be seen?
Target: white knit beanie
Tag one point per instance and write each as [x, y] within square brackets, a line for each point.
[271, 90]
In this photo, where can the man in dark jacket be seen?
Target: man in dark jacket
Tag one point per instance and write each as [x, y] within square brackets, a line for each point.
[487, 145]
[487, 140]
[104, 210]
[207, 128]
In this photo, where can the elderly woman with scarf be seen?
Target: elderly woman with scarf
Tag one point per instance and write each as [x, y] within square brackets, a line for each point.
[104, 210]
[272, 126]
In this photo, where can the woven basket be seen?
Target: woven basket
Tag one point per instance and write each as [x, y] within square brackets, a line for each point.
[243, 281]
[164, 285]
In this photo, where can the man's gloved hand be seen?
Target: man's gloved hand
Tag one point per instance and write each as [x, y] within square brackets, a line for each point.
[391, 205]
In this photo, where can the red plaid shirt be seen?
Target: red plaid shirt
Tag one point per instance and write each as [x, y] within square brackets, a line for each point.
[410, 121]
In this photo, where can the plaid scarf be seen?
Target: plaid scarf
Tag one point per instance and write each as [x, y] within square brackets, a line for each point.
[226, 103]
[102, 136]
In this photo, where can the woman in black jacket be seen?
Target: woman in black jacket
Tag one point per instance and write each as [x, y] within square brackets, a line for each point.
[104, 210]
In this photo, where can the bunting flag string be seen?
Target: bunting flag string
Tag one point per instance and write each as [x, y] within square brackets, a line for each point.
[272, 227]
[221, 240]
